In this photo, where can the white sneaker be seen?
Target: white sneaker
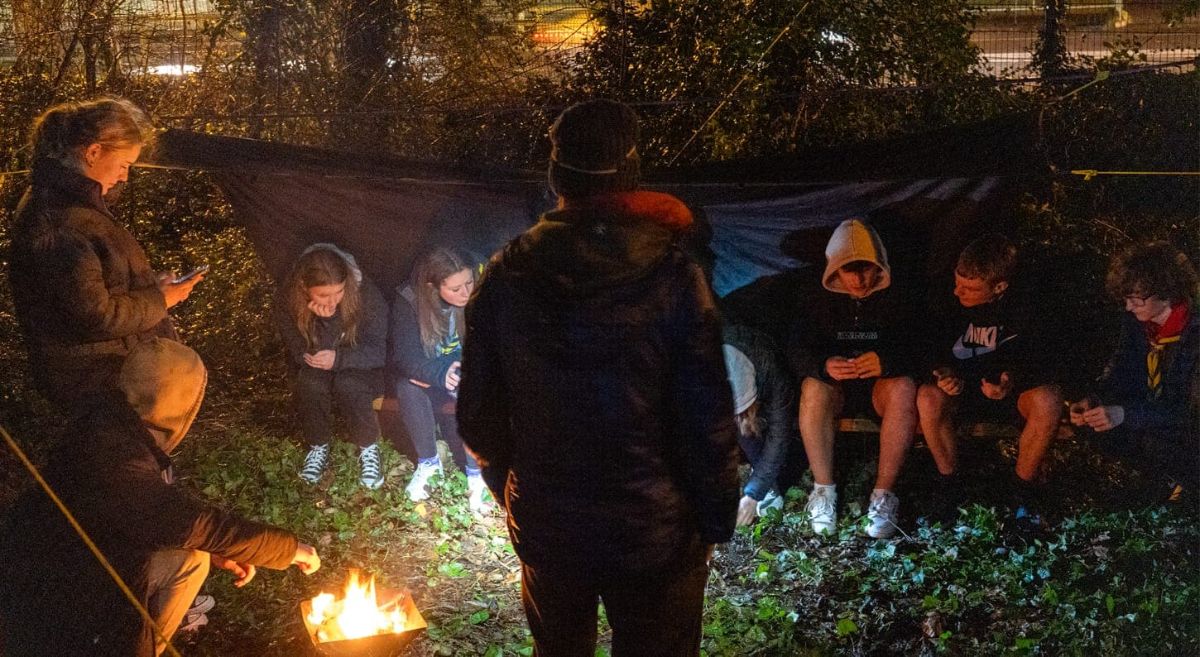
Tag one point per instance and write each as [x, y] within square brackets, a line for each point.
[315, 463]
[370, 467]
[822, 510]
[476, 492]
[196, 616]
[771, 500]
[416, 486]
[883, 515]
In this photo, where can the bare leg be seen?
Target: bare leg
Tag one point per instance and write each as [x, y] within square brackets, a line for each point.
[1042, 408]
[820, 403]
[936, 410]
[895, 401]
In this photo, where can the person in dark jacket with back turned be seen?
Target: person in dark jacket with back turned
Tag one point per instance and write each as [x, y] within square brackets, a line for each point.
[595, 397]
[1145, 405]
[853, 353]
[334, 323]
[114, 474]
[82, 286]
[764, 405]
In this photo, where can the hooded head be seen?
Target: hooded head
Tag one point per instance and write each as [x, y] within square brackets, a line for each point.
[741, 379]
[854, 241]
[164, 383]
[594, 150]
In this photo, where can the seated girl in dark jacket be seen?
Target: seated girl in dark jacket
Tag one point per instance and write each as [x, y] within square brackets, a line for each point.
[1145, 404]
[334, 323]
[427, 336]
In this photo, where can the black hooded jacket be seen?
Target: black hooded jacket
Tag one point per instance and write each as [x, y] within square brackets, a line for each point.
[594, 386]
[56, 600]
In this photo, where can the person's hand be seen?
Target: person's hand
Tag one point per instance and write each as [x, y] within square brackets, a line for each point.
[1077, 409]
[1104, 418]
[868, 365]
[306, 559]
[996, 390]
[947, 382]
[244, 572]
[174, 293]
[322, 310]
[747, 511]
[322, 360]
[453, 376]
[840, 369]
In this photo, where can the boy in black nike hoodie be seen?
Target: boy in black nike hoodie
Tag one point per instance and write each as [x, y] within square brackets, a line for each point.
[990, 363]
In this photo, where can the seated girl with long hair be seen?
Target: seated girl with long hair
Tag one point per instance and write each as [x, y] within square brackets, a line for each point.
[334, 323]
[427, 334]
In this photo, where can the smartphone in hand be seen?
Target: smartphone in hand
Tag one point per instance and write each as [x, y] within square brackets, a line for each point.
[191, 274]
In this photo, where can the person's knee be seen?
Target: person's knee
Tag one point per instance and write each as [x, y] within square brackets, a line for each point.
[817, 395]
[897, 394]
[1042, 403]
[195, 564]
[311, 383]
[932, 403]
[357, 384]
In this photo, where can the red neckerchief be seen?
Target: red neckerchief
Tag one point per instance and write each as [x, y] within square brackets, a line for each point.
[1174, 325]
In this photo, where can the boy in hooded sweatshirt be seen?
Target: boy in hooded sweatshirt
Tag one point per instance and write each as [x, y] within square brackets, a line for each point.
[991, 364]
[115, 475]
[594, 395]
[853, 354]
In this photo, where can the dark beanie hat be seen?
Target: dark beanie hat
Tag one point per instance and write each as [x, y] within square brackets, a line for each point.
[594, 149]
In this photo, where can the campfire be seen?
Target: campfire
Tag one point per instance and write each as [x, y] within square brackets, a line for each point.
[363, 621]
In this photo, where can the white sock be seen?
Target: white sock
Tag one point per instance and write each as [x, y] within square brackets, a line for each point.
[878, 492]
[830, 488]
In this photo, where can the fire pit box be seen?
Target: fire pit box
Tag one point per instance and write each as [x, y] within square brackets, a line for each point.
[378, 645]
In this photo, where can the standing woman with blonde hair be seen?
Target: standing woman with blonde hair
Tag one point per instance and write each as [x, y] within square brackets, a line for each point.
[82, 286]
[334, 323]
[428, 331]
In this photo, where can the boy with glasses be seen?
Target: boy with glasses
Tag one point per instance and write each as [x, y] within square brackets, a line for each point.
[1145, 402]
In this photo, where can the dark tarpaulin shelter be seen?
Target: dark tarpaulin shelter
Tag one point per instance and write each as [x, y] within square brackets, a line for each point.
[768, 218]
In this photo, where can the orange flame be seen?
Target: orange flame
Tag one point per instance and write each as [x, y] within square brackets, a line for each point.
[357, 614]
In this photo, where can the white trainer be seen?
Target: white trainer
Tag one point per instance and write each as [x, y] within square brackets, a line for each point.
[416, 487]
[822, 510]
[771, 500]
[479, 499]
[883, 515]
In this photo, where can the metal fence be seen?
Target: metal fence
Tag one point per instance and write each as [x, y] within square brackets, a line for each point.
[1006, 32]
[163, 36]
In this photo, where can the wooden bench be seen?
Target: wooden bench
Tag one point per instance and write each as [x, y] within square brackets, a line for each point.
[979, 430]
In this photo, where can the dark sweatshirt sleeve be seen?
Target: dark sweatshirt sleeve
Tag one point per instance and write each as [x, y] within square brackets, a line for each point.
[902, 351]
[71, 267]
[408, 355]
[775, 392]
[1030, 359]
[805, 348]
[286, 325]
[704, 409]
[370, 350]
[157, 515]
[484, 410]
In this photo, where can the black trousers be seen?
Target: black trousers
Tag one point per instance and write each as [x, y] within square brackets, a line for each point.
[651, 615]
[421, 409]
[353, 391]
[1169, 456]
